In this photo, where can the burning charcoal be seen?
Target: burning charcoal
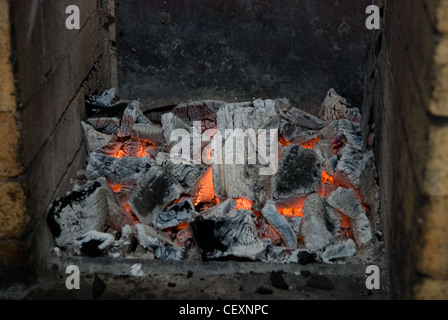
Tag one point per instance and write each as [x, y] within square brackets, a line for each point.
[156, 190]
[299, 174]
[344, 132]
[104, 100]
[184, 238]
[314, 229]
[106, 125]
[175, 215]
[117, 217]
[79, 212]
[238, 234]
[186, 173]
[204, 235]
[296, 224]
[341, 249]
[94, 243]
[158, 243]
[361, 229]
[236, 229]
[148, 132]
[293, 134]
[356, 170]
[345, 201]
[220, 209]
[112, 149]
[170, 123]
[266, 231]
[302, 119]
[280, 224]
[123, 245]
[204, 111]
[330, 165]
[132, 115]
[336, 107]
[116, 171]
[94, 139]
[324, 150]
[249, 175]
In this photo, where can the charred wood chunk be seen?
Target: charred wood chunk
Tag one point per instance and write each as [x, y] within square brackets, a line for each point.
[94, 243]
[204, 235]
[95, 140]
[345, 201]
[302, 119]
[324, 150]
[185, 172]
[158, 243]
[79, 212]
[362, 230]
[341, 249]
[314, 229]
[220, 209]
[106, 125]
[156, 190]
[204, 111]
[175, 215]
[171, 124]
[148, 132]
[236, 229]
[336, 107]
[299, 174]
[341, 133]
[280, 224]
[104, 100]
[132, 115]
[125, 170]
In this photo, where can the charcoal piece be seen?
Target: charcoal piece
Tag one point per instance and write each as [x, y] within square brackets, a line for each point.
[241, 170]
[148, 132]
[295, 223]
[112, 149]
[341, 249]
[134, 148]
[189, 175]
[343, 132]
[220, 209]
[299, 174]
[319, 282]
[170, 124]
[314, 228]
[204, 235]
[236, 229]
[204, 111]
[278, 281]
[117, 217]
[132, 115]
[156, 190]
[345, 201]
[324, 150]
[329, 165]
[301, 118]
[293, 134]
[305, 257]
[361, 230]
[106, 125]
[95, 140]
[280, 224]
[158, 243]
[356, 170]
[126, 170]
[103, 100]
[336, 107]
[94, 243]
[72, 216]
[175, 215]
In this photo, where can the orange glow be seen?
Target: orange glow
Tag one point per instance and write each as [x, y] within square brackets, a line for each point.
[183, 226]
[120, 154]
[116, 187]
[345, 225]
[310, 144]
[206, 189]
[283, 141]
[141, 151]
[243, 203]
[327, 178]
[291, 212]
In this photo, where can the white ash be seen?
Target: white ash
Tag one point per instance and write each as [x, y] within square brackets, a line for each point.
[158, 243]
[105, 240]
[340, 249]
[336, 107]
[280, 224]
[345, 201]
[136, 270]
[103, 100]
[95, 140]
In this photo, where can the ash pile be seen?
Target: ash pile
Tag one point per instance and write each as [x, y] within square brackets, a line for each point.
[137, 196]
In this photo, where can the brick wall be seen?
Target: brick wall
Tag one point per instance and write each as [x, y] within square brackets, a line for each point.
[45, 72]
[407, 89]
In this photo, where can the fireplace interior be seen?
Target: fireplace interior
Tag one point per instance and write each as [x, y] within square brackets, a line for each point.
[313, 149]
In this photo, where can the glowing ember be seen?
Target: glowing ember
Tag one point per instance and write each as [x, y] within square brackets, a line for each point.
[327, 178]
[345, 226]
[183, 226]
[120, 154]
[243, 203]
[116, 187]
[291, 212]
[310, 144]
[142, 151]
[206, 189]
[283, 141]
